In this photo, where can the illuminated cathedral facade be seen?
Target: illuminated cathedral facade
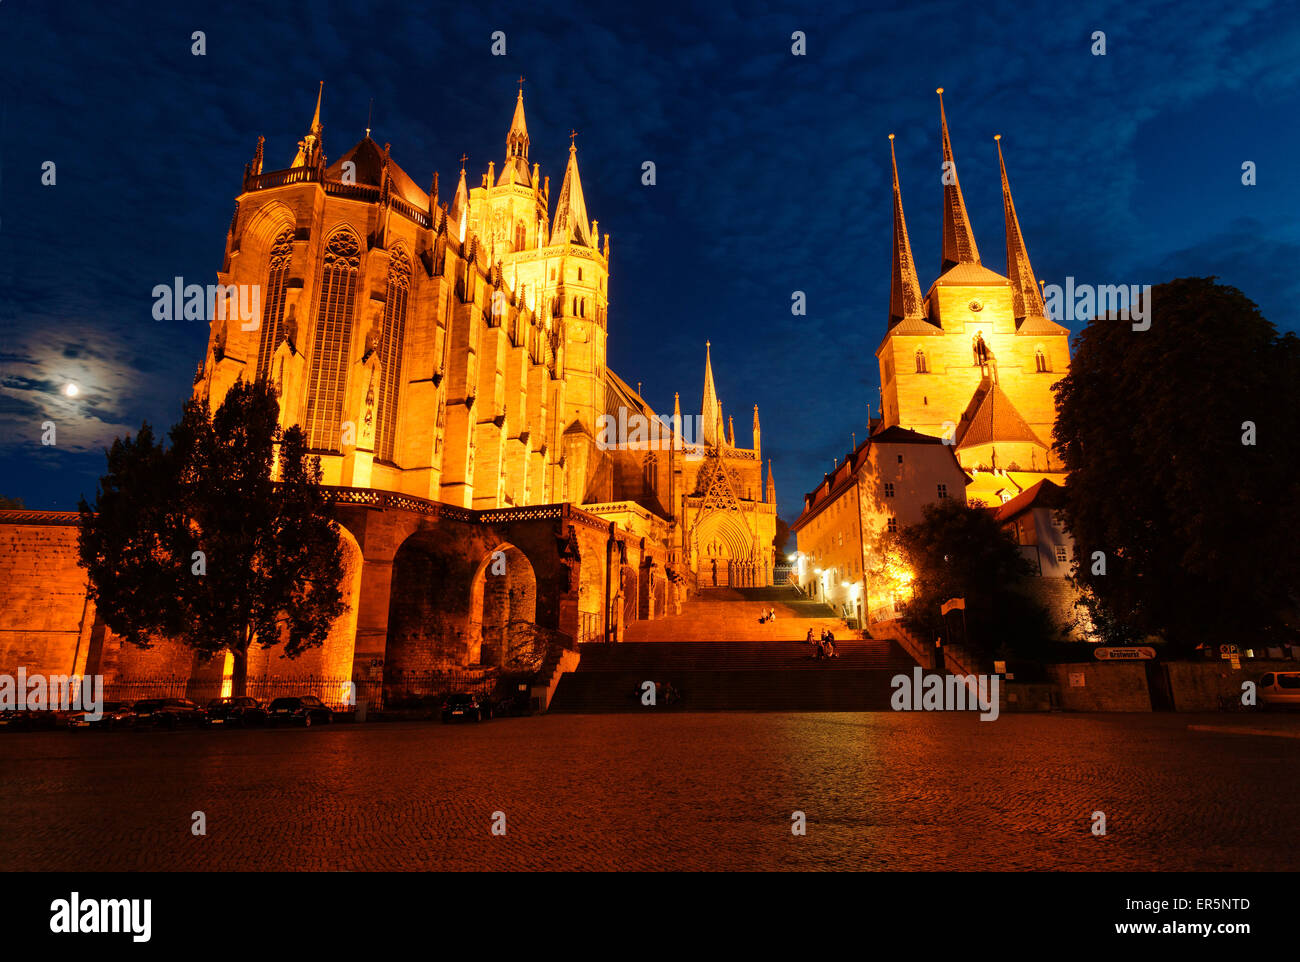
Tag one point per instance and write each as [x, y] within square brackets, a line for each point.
[453, 353]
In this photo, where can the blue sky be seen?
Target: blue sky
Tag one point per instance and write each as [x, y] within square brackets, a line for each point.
[772, 169]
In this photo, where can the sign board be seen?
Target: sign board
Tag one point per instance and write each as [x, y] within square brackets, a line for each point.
[1235, 662]
[999, 667]
[1227, 651]
[1077, 679]
[1125, 654]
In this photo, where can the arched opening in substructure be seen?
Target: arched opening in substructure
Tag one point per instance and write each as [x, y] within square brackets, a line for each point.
[426, 621]
[503, 610]
[325, 671]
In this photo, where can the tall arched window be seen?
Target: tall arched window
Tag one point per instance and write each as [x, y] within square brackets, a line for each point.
[391, 339]
[331, 347]
[521, 236]
[920, 361]
[273, 302]
[1040, 360]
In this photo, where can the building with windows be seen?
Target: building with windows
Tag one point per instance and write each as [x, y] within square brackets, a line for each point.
[843, 556]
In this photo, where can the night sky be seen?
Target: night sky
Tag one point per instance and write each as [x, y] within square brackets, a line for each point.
[773, 176]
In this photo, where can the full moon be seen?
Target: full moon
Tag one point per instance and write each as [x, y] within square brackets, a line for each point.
[71, 390]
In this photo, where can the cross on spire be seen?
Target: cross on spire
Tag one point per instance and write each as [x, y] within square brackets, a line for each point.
[521, 84]
[572, 134]
[463, 158]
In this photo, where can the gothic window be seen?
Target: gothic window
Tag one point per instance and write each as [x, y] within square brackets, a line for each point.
[920, 361]
[1040, 361]
[331, 346]
[391, 339]
[277, 273]
[579, 273]
[575, 307]
[521, 236]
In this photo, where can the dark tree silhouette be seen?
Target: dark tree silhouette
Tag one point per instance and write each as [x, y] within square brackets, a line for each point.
[198, 542]
[960, 551]
[1184, 495]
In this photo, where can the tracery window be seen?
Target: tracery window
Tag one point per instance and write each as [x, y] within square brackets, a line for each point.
[331, 346]
[273, 303]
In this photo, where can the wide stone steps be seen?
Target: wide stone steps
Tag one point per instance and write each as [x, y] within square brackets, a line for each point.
[771, 689]
[738, 656]
[733, 676]
[725, 614]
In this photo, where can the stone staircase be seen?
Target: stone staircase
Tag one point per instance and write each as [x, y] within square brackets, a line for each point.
[719, 658]
[718, 614]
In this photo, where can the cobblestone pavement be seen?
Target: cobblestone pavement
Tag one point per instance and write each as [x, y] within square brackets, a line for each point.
[673, 791]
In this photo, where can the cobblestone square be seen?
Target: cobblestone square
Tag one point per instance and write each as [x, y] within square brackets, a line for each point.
[880, 791]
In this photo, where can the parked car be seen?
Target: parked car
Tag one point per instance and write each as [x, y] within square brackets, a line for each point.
[465, 706]
[29, 720]
[305, 710]
[1279, 689]
[167, 713]
[112, 714]
[235, 712]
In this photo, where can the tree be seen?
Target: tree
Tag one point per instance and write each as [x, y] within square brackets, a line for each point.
[11, 503]
[201, 543]
[1183, 493]
[780, 539]
[959, 551]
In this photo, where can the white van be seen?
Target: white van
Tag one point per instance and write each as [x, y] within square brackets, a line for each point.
[1278, 688]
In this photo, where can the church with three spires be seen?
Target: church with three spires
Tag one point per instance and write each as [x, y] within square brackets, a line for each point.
[973, 361]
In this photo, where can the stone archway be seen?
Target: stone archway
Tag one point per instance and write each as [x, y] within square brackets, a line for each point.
[503, 608]
[330, 665]
[426, 630]
[722, 543]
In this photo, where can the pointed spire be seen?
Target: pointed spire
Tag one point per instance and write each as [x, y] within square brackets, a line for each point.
[958, 238]
[710, 411]
[731, 431]
[571, 222]
[1027, 296]
[904, 286]
[309, 146]
[459, 212]
[517, 138]
[757, 433]
[771, 484]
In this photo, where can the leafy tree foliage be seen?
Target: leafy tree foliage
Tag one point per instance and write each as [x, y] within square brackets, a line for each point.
[1182, 527]
[198, 541]
[959, 551]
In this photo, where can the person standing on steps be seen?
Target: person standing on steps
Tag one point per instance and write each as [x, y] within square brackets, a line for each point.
[715, 572]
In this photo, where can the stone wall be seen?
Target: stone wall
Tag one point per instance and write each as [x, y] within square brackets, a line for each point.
[45, 616]
[1198, 685]
[1107, 687]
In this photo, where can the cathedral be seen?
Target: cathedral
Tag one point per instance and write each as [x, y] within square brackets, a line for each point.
[447, 359]
[973, 360]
